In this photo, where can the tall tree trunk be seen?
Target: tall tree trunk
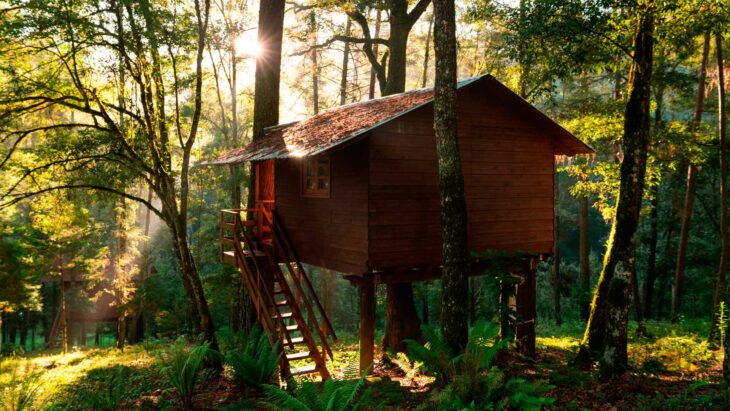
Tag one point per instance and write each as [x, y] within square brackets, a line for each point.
[585, 256]
[689, 194]
[556, 251]
[606, 330]
[268, 74]
[399, 305]
[651, 272]
[64, 320]
[720, 298]
[345, 61]
[455, 279]
[315, 62]
[373, 76]
[427, 55]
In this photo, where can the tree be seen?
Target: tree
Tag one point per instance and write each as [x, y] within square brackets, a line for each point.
[720, 296]
[606, 331]
[690, 193]
[139, 127]
[455, 255]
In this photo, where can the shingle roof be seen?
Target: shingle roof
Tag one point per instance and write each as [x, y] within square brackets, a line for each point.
[338, 125]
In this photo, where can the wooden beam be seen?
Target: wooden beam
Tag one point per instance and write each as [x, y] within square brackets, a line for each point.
[526, 311]
[367, 325]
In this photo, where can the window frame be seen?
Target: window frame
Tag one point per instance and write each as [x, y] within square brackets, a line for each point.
[304, 177]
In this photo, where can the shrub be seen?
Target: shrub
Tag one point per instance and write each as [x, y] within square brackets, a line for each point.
[254, 360]
[181, 365]
[469, 380]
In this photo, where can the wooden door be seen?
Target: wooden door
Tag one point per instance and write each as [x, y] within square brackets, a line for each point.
[265, 183]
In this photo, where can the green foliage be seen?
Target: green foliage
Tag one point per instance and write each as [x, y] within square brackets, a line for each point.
[332, 395]
[105, 389]
[22, 390]
[182, 365]
[469, 381]
[692, 399]
[254, 360]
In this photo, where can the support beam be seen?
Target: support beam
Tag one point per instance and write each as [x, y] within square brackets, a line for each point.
[367, 324]
[526, 311]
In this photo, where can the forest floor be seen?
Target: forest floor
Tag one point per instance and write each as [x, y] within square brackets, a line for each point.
[672, 368]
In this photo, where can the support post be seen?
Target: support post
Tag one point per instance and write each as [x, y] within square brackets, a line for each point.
[526, 311]
[367, 324]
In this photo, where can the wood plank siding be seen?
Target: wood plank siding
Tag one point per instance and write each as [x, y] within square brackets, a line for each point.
[508, 175]
[328, 232]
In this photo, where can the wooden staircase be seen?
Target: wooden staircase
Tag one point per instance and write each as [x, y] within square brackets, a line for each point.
[286, 304]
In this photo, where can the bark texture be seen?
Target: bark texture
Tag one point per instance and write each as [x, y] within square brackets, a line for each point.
[604, 335]
[454, 280]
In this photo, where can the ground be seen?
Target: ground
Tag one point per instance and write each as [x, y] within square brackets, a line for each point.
[672, 368]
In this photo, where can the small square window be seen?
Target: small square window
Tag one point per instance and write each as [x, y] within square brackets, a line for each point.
[316, 177]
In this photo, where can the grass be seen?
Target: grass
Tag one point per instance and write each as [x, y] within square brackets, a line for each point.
[670, 366]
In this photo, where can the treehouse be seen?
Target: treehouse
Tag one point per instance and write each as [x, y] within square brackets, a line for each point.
[355, 189]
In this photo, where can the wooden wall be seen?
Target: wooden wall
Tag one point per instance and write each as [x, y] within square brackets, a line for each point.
[328, 232]
[508, 174]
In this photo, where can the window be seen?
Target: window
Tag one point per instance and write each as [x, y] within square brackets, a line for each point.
[316, 177]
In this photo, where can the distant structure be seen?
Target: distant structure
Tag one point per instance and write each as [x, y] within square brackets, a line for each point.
[355, 189]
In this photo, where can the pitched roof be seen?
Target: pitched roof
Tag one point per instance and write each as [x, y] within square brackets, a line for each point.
[338, 125]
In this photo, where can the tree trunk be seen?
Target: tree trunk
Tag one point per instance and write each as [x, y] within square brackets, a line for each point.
[399, 306]
[121, 331]
[556, 251]
[64, 321]
[651, 272]
[373, 77]
[604, 334]
[585, 263]
[268, 75]
[720, 298]
[455, 262]
[315, 61]
[689, 194]
[345, 56]
[24, 326]
[424, 78]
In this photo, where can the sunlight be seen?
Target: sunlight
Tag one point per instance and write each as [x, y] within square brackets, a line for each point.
[247, 46]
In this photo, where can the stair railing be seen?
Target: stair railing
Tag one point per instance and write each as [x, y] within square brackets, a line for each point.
[297, 272]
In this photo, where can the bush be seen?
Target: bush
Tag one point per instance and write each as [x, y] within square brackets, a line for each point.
[469, 380]
[181, 365]
[254, 360]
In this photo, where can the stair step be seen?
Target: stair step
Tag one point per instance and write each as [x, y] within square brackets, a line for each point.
[304, 370]
[290, 328]
[295, 340]
[282, 303]
[283, 315]
[298, 355]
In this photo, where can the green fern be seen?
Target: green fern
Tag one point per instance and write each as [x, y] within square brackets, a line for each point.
[332, 395]
[181, 365]
[469, 381]
[255, 361]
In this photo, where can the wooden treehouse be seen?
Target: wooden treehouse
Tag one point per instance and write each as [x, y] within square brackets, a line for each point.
[355, 189]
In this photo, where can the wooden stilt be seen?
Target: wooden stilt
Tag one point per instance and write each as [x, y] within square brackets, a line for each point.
[526, 311]
[367, 324]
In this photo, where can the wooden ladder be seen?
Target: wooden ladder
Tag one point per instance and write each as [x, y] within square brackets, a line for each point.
[280, 289]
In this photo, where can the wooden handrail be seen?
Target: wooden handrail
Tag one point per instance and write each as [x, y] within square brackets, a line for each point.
[294, 257]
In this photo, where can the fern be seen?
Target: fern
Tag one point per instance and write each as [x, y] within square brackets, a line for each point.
[469, 381]
[333, 395]
[255, 361]
[182, 365]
